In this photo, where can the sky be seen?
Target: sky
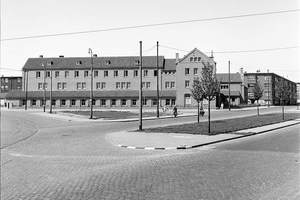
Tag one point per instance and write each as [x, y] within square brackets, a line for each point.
[231, 39]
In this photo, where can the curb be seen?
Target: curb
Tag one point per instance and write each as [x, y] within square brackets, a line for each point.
[205, 144]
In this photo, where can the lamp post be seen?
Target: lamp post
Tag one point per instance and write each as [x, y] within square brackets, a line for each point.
[44, 87]
[268, 90]
[91, 93]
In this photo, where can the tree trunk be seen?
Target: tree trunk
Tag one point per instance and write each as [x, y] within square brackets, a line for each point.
[208, 116]
[257, 108]
[282, 109]
[198, 111]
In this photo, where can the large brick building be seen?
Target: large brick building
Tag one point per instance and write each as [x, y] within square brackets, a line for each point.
[115, 80]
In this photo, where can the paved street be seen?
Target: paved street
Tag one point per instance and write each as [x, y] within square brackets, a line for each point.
[48, 158]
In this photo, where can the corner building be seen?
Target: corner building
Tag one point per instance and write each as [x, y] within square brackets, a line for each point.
[116, 81]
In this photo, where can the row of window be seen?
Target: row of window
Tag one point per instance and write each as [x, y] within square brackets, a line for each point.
[5, 80]
[96, 73]
[253, 78]
[252, 85]
[103, 102]
[6, 87]
[195, 59]
[267, 93]
[187, 71]
[170, 84]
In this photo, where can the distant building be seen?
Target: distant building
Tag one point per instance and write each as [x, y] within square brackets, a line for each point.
[116, 81]
[269, 83]
[9, 83]
[298, 93]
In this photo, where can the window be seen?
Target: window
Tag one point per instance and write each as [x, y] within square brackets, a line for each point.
[145, 73]
[187, 99]
[267, 77]
[93, 102]
[19, 80]
[199, 59]
[172, 84]
[24, 102]
[191, 59]
[224, 86]
[187, 71]
[173, 102]
[143, 84]
[155, 72]
[187, 84]
[136, 62]
[103, 102]
[47, 74]
[2, 87]
[86, 73]
[195, 59]
[267, 85]
[53, 102]
[251, 78]
[82, 102]
[123, 85]
[267, 93]
[98, 85]
[19, 87]
[64, 85]
[113, 102]
[123, 102]
[96, 73]
[135, 73]
[6, 87]
[6, 80]
[40, 86]
[118, 85]
[168, 102]
[251, 85]
[144, 102]
[59, 86]
[78, 62]
[73, 102]
[105, 73]
[56, 74]
[154, 102]
[167, 84]
[133, 102]
[148, 85]
[67, 74]
[107, 62]
[83, 85]
[195, 71]
[78, 85]
[116, 74]
[76, 74]
[63, 102]
[125, 73]
[103, 85]
[128, 85]
[250, 94]
[33, 102]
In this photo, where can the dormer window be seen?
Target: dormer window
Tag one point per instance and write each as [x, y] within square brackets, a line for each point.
[78, 62]
[136, 62]
[107, 62]
[50, 63]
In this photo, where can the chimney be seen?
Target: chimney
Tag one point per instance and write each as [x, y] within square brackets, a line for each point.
[95, 55]
[41, 56]
[61, 56]
[241, 70]
[177, 58]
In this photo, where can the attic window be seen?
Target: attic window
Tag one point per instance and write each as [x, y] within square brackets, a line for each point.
[191, 59]
[107, 62]
[78, 62]
[50, 63]
[199, 59]
[136, 62]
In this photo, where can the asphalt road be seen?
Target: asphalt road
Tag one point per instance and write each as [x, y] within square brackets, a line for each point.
[46, 158]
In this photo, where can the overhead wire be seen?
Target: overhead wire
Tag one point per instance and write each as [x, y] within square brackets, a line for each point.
[150, 25]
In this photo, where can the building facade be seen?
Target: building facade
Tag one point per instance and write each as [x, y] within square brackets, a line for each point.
[7, 84]
[269, 83]
[115, 81]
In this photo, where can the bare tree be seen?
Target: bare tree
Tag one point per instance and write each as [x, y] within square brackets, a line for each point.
[284, 93]
[258, 93]
[197, 94]
[210, 86]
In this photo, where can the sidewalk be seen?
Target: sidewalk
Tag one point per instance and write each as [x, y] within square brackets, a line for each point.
[168, 141]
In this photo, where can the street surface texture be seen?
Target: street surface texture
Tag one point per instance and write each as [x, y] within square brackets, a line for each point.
[47, 158]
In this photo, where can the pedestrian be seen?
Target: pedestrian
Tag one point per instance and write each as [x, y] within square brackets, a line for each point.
[175, 111]
[222, 105]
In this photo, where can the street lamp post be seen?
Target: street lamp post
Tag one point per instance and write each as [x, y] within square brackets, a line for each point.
[91, 93]
[44, 87]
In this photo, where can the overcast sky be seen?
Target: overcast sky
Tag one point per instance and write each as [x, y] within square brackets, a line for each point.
[24, 18]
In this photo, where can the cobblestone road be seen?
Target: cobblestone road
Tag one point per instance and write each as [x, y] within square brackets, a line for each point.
[67, 160]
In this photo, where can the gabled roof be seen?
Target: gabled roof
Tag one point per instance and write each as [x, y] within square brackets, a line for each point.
[170, 64]
[98, 62]
[195, 49]
[17, 94]
[234, 78]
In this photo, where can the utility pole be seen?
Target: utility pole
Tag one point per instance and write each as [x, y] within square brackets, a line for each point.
[91, 92]
[140, 94]
[157, 81]
[51, 90]
[268, 90]
[26, 88]
[229, 85]
[44, 65]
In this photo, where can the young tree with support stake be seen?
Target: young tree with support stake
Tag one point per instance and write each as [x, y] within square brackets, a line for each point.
[209, 86]
[197, 94]
[284, 93]
[258, 93]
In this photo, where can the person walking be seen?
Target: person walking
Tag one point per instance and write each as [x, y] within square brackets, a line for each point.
[175, 111]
